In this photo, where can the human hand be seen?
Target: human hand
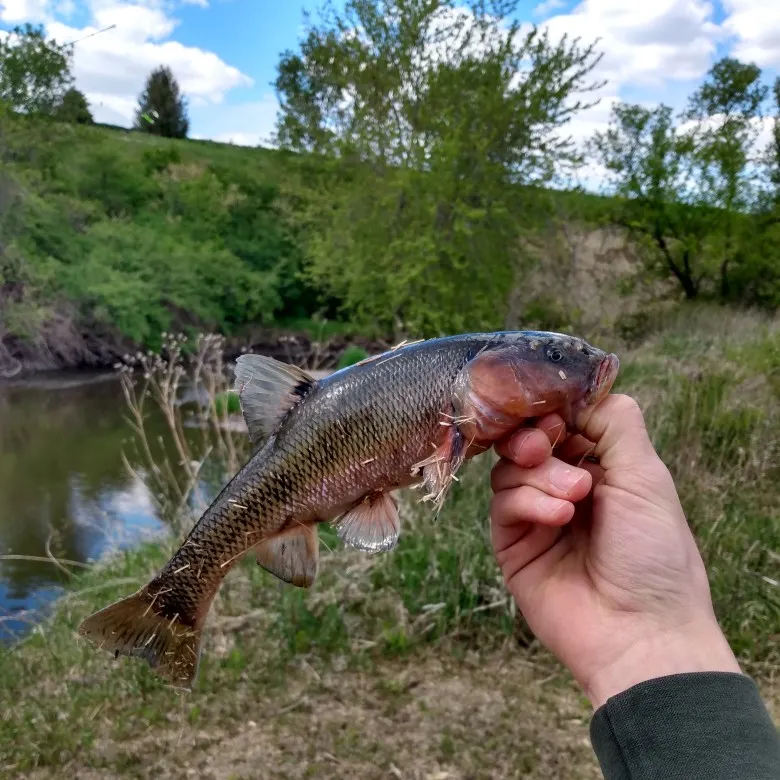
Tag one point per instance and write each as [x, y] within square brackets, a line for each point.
[599, 557]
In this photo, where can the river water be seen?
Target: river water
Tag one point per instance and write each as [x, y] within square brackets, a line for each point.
[63, 482]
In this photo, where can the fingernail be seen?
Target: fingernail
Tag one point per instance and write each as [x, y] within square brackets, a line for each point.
[565, 478]
[518, 445]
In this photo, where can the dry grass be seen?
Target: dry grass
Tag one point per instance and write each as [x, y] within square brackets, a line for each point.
[479, 717]
[413, 664]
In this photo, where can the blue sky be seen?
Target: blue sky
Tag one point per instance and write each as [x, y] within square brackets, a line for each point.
[224, 52]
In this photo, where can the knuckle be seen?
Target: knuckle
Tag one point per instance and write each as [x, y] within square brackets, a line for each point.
[626, 405]
[500, 475]
[498, 508]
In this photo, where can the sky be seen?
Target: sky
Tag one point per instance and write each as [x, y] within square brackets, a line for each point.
[224, 52]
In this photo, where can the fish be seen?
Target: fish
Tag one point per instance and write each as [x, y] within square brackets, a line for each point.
[337, 450]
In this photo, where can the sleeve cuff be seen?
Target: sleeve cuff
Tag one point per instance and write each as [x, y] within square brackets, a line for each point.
[700, 725]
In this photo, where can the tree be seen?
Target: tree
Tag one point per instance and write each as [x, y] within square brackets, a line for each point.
[651, 166]
[161, 108]
[726, 110]
[773, 150]
[756, 279]
[690, 188]
[74, 108]
[434, 114]
[34, 72]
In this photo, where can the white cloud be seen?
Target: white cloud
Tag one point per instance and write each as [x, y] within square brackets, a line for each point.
[247, 124]
[755, 24]
[134, 22]
[548, 6]
[16, 11]
[111, 68]
[644, 43]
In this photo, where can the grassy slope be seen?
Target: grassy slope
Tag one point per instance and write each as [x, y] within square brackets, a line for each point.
[127, 235]
[124, 235]
[414, 663]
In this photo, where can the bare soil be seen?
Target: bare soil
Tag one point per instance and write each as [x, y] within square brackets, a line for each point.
[421, 718]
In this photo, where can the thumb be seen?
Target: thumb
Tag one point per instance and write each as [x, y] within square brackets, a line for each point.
[617, 427]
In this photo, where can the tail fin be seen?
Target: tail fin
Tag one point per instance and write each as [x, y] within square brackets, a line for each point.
[131, 627]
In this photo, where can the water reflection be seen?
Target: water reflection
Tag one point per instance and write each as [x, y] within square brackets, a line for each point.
[62, 479]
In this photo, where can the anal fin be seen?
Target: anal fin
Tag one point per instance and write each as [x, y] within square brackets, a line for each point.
[372, 525]
[292, 555]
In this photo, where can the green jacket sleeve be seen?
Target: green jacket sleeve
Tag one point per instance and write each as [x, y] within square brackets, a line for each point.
[699, 726]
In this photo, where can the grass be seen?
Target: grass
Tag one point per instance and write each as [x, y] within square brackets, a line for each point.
[227, 403]
[415, 660]
[319, 329]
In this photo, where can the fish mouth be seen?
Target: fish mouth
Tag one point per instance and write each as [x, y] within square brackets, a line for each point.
[605, 377]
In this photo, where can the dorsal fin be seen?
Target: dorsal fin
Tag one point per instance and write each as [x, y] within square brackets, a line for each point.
[268, 389]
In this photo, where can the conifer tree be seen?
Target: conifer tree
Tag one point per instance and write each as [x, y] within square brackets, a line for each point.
[161, 106]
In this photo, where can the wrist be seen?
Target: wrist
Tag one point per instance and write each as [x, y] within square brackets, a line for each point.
[699, 648]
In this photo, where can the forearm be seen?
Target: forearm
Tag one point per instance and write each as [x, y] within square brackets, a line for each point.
[692, 726]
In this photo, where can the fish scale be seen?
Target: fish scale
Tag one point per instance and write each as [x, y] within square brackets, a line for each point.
[305, 468]
[326, 448]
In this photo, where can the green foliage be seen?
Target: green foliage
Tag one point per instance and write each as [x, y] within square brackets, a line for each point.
[34, 72]
[162, 110]
[416, 228]
[227, 403]
[725, 109]
[692, 195]
[74, 107]
[119, 189]
[772, 157]
[407, 210]
[351, 355]
[135, 276]
[141, 235]
[158, 158]
[650, 162]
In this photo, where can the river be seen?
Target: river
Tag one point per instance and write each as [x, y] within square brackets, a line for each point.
[63, 482]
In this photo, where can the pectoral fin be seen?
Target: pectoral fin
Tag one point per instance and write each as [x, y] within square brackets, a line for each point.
[292, 556]
[372, 525]
[438, 470]
[268, 389]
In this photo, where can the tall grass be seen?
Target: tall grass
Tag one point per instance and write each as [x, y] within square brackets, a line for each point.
[189, 387]
[708, 384]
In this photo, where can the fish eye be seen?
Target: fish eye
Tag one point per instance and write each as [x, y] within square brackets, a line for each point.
[555, 354]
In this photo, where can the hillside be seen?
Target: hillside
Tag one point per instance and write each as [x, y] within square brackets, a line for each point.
[111, 237]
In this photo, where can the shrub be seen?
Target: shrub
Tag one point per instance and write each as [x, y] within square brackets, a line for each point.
[351, 355]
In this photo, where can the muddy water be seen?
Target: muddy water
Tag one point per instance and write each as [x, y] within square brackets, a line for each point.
[63, 481]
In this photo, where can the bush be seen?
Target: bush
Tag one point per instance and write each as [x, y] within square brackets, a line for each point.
[137, 235]
[351, 355]
[159, 158]
[227, 403]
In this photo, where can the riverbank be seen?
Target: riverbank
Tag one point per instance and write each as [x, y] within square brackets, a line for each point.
[414, 663]
[317, 346]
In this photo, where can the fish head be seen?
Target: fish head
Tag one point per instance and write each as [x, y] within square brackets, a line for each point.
[531, 374]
